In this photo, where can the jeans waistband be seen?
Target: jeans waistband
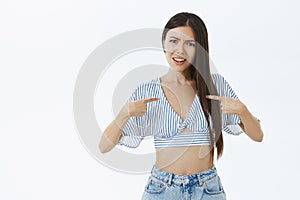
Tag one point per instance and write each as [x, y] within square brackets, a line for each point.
[176, 179]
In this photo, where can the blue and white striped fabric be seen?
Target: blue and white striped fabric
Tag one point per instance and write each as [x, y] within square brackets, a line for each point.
[165, 125]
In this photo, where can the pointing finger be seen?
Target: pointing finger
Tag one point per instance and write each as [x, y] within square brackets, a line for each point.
[151, 99]
[214, 97]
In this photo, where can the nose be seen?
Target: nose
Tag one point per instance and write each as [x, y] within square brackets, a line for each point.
[179, 52]
[180, 49]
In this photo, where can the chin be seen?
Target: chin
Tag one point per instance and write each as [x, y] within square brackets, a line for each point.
[180, 68]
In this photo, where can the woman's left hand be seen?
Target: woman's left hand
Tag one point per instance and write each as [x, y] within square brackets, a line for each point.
[229, 105]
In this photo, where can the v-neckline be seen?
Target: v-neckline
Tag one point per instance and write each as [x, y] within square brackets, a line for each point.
[171, 108]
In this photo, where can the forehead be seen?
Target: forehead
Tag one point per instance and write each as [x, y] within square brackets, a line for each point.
[182, 32]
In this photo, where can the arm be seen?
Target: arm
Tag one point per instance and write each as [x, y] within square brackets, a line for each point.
[250, 124]
[230, 104]
[112, 134]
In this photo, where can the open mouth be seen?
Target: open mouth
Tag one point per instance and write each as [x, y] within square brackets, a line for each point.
[179, 60]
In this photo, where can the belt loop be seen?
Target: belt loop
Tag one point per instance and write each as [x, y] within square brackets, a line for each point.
[200, 181]
[170, 179]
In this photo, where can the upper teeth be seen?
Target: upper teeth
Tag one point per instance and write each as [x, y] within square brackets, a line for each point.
[179, 59]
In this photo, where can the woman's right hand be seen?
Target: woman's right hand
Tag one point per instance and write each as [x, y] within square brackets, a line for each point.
[139, 107]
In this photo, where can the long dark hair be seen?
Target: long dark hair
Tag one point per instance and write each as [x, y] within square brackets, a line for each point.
[200, 73]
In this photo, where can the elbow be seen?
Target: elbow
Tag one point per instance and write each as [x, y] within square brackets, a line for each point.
[103, 149]
[103, 145]
[106, 144]
[260, 138]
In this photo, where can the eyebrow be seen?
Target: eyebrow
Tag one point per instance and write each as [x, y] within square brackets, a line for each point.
[179, 39]
[174, 37]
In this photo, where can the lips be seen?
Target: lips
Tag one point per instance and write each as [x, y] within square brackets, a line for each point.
[179, 60]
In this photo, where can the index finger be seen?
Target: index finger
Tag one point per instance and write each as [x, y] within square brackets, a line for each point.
[214, 97]
[150, 99]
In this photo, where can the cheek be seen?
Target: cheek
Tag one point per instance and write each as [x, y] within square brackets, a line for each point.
[168, 56]
[191, 54]
[170, 48]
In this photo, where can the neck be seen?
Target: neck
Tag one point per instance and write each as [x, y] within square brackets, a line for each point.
[179, 77]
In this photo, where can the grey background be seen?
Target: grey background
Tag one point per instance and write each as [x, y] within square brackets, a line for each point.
[43, 45]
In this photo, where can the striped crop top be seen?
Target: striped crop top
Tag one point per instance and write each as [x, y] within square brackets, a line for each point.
[165, 125]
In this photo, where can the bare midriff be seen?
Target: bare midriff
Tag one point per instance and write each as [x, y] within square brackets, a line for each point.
[184, 160]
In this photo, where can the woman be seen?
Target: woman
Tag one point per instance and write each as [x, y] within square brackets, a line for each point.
[185, 110]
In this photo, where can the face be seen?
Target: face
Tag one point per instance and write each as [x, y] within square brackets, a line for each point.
[180, 47]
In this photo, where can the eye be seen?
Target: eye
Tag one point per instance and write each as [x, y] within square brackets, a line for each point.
[172, 40]
[191, 44]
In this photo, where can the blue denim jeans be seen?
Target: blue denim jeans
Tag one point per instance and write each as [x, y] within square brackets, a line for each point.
[204, 185]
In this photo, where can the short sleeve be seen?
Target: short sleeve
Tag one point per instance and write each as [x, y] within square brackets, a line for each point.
[230, 122]
[132, 133]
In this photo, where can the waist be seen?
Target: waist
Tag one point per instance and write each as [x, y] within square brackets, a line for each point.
[171, 178]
